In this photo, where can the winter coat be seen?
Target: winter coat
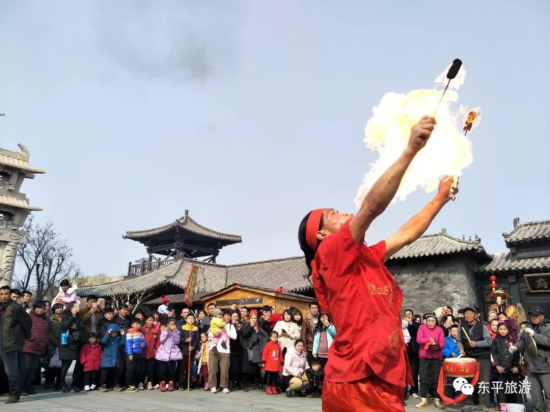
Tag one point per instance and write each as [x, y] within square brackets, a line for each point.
[87, 318]
[230, 333]
[135, 342]
[90, 357]
[295, 363]
[111, 348]
[55, 335]
[169, 349]
[40, 335]
[74, 339]
[405, 330]
[245, 337]
[272, 357]
[414, 347]
[450, 348]
[316, 378]
[189, 331]
[307, 334]
[423, 339]
[15, 327]
[122, 323]
[103, 327]
[541, 363]
[152, 336]
[293, 333]
[66, 298]
[331, 334]
[500, 350]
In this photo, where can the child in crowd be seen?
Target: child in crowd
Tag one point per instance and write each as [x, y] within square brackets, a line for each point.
[163, 308]
[67, 293]
[112, 342]
[507, 364]
[202, 360]
[151, 334]
[217, 325]
[272, 360]
[315, 376]
[90, 358]
[450, 351]
[168, 354]
[135, 344]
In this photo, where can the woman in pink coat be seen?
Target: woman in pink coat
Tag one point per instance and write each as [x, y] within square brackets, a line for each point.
[431, 341]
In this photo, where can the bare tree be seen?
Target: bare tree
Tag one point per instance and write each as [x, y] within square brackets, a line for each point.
[119, 299]
[46, 258]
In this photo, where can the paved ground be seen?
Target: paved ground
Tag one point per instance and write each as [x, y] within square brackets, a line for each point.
[194, 401]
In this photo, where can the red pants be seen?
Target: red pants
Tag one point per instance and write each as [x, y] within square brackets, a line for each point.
[367, 395]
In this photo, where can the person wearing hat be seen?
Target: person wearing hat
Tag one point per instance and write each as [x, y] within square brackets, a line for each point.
[431, 341]
[537, 356]
[163, 308]
[474, 341]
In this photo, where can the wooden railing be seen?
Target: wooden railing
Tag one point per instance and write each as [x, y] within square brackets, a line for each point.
[138, 269]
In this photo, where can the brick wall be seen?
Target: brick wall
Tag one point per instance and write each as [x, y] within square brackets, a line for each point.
[436, 281]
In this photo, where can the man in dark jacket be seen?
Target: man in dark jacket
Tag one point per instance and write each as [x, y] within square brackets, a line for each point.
[538, 367]
[35, 347]
[307, 334]
[15, 327]
[412, 350]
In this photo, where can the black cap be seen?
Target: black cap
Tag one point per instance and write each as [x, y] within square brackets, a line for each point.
[535, 310]
[92, 335]
[473, 309]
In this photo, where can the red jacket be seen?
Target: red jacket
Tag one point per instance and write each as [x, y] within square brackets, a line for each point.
[152, 338]
[90, 357]
[272, 357]
[40, 335]
[276, 317]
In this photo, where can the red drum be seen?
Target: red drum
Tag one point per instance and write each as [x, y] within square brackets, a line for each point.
[460, 367]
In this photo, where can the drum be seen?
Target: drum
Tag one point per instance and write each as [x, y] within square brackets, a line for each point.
[460, 367]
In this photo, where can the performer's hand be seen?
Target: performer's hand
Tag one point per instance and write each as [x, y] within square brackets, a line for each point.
[446, 188]
[472, 344]
[420, 133]
[500, 369]
[515, 370]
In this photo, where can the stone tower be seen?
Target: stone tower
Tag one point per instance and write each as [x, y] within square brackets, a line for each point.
[14, 206]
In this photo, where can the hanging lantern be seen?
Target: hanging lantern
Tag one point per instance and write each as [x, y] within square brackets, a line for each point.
[493, 278]
[493, 285]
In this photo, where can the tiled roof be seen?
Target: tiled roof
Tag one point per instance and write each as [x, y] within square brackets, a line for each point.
[439, 244]
[505, 262]
[528, 232]
[290, 273]
[18, 160]
[186, 223]
[17, 202]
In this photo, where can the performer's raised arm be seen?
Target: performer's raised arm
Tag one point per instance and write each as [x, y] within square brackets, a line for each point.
[385, 188]
[416, 227]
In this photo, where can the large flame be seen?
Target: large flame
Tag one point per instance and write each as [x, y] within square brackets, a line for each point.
[448, 151]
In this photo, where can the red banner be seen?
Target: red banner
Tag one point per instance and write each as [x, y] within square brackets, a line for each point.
[191, 285]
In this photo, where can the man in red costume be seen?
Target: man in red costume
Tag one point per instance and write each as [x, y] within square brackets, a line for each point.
[367, 364]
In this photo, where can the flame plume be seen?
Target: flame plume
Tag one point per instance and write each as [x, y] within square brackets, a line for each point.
[448, 152]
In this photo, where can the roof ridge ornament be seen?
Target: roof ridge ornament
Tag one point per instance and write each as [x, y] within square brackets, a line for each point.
[516, 222]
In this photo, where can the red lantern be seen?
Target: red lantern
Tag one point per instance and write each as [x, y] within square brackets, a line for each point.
[493, 278]
[493, 285]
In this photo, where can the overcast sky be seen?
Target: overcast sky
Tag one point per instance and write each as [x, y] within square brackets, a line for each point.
[249, 114]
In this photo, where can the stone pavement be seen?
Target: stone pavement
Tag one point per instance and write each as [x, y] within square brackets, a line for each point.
[194, 401]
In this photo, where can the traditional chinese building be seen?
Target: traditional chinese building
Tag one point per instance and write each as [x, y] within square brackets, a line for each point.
[14, 206]
[524, 270]
[436, 270]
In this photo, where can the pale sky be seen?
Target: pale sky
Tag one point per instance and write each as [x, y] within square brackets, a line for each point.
[249, 114]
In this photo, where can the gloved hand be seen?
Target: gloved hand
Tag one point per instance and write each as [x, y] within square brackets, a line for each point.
[513, 349]
[529, 331]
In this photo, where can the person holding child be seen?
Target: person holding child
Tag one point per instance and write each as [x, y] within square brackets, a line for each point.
[72, 330]
[219, 349]
[272, 359]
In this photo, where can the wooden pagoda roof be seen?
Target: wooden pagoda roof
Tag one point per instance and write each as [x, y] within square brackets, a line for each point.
[528, 232]
[186, 224]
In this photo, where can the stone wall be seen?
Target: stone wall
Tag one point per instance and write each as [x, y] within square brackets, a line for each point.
[432, 282]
